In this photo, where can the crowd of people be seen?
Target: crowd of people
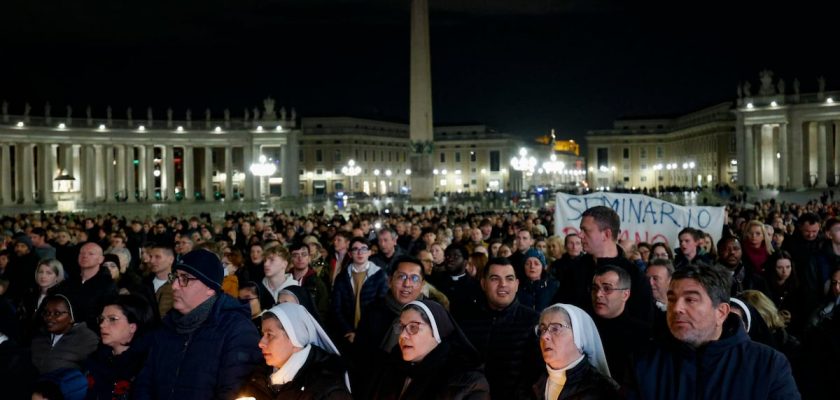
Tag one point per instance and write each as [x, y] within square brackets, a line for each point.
[445, 303]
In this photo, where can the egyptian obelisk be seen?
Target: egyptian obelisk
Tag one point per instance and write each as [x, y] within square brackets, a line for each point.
[421, 130]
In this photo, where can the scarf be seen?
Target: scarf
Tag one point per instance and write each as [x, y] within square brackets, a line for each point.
[288, 371]
[186, 324]
[557, 379]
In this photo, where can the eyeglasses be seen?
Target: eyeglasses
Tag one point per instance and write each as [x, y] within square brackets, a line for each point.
[183, 280]
[359, 250]
[608, 290]
[111, 319]
[53, 314]
[405, 277]
[552, 328]
[411, 328]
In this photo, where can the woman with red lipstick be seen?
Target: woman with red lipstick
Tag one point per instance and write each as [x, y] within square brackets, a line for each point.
[434, 360]
[301, 360]
[120, 357]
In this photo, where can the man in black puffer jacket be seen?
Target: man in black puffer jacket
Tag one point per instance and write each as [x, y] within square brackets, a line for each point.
[502, 330]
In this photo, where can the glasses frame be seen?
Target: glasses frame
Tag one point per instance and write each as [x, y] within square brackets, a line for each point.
[607, 290]
[53, 314]
[541, 329]
[411, 328]
[413, 278]
[111, 320]
[359, 250]
[181, 279]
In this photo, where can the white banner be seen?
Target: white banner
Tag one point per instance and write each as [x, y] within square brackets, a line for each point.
[643, 218]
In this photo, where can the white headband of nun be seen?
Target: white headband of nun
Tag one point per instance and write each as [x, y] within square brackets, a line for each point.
[429, 314]
[69, 306]
[745, 310]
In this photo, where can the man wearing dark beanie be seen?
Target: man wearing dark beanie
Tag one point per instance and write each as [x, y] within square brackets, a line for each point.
[208, 345]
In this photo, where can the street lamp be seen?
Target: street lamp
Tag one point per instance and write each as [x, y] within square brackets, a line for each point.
[263, 169]
[523, 163]
[350, 170]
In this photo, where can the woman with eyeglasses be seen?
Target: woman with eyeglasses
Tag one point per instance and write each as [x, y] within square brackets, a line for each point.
[63, 343]
[122, 352]
[433, 360]
[301, 360]
[576, 367]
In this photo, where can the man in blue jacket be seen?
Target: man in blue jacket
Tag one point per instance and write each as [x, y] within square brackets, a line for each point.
[708, 355]
[208, 345]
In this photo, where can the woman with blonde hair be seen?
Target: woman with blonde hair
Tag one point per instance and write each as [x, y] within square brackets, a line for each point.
[555, 248]
[758, 247]
[780, 339]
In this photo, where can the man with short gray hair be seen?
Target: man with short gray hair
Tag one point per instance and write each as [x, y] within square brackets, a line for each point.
[708, 354]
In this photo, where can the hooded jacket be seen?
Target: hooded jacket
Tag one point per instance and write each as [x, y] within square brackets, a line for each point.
[212, 362]
[732, 367]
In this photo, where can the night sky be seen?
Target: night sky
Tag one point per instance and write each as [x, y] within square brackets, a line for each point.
[519, 66]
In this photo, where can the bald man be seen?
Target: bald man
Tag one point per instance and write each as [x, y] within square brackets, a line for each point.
[88, 290]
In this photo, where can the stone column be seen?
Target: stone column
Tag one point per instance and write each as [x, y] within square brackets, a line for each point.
[836, 151]
[91, 175]
[130, 184]
[291, 180]
[797, 173]
[228, 173]
[209, 193]
[6, 174]
[822, 165]
[45, 173]
[26, 175]
[749, 156]
[247, 158]
[783, 164]
[97, 161]
[189, 174]
[168, 191]
[110, 174]
[149, 168]
[121, 174]
[740, 155]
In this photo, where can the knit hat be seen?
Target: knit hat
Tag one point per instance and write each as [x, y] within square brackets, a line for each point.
[23, 238]
[204, 265]
[111, 258]
[532, 252]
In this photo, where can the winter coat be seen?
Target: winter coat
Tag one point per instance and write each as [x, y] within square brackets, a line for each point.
[212, 362]
[539, 294]
[344, 296]
[583, 382]
[112, 376]
[732, 367]
[444, 374]
[320, 377]
[510, 349]
[70, 351]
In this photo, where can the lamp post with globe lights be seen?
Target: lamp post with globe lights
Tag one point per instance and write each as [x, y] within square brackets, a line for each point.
[523, 163]
[263, 169]
[350, 170]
